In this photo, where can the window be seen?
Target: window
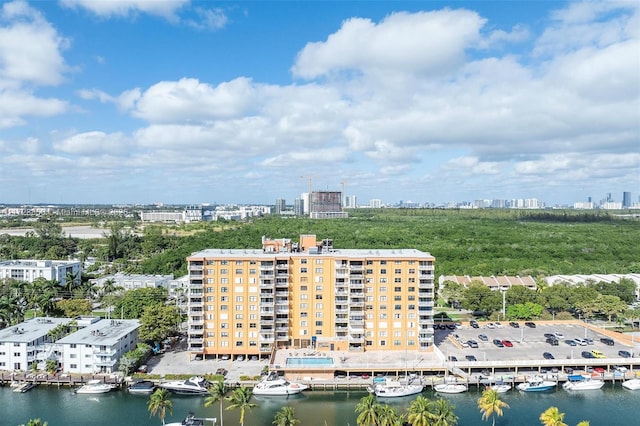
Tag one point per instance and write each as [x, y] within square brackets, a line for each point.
[411, 289]
[383, 343]
[303, 261]
[369, 271]
[397, 289]
[319, 270]
[304, 296]
[397, 280]
[397, 271]
[382, 289]
[303, 288]
[224, 262]
[303, 270]
[239, 298]
[253, 298]
[252, 272]
[238, 262]
[239, 316]
[412, 271]
[303, 323]
[224, 298]
[318, 305]
[319, 314]
[224, 325]
[383, 298]
[318, 332]
[210, 281]
[319, 261]
[238, 343]
[224, 271]
[397, 298]
[383, 281]
[304, 305]
[318, 323]
[318, 288]
[383, 262]
[318, 297]
[397, 307]
[383, 271]
[211, 262]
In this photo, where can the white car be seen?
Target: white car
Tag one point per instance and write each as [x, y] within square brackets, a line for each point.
[558, 335]
[581, 342]
[490, 325]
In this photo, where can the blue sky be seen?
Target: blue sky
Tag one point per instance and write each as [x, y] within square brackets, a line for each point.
[136, 101]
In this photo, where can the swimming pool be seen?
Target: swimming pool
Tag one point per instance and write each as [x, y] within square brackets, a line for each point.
[310, 361]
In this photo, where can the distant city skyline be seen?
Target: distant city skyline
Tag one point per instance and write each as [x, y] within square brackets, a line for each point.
[186, 102]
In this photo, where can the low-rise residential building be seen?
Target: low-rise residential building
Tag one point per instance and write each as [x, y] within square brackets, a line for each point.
[135, 281]
[29, 270]
[502, 282]
[27, 343]
[98, 347]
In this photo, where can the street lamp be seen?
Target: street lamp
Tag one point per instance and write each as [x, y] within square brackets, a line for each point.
[504, 303]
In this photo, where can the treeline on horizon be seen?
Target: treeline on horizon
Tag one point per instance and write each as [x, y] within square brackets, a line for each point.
[464, 242]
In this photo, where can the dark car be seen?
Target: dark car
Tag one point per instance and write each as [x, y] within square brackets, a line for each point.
[608, 341]
[471, 358]
[472, 343]
[587, 354]
[452, 359]
[548, 355]
[553, 341]
[221, 371]
[514, 324]
[571, 342]
[624, 354]
[498, 343]
[530, 324]
[483, 337]
[550, 336]
[474, 324]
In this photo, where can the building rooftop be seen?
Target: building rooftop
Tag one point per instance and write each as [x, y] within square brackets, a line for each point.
[368, 253]
[104, 332]
[30, 330]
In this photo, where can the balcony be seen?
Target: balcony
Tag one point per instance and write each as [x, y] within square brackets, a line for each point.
[104, 352]
[106, 362]
[196, 267]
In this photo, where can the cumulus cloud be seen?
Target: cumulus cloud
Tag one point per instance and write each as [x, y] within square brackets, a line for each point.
[90, 143]
[164, 8]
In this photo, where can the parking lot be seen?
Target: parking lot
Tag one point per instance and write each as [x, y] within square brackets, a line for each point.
[528, 343]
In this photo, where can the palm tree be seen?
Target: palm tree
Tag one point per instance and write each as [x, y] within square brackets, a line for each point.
[368, 411]
[443, 413]
[240, 398]
[217, 392]
[583, 423]
[490, 404]
[159, 403]
[388, 416]
[286, 416]
[552, 417]
[36, 422]
[420, 413]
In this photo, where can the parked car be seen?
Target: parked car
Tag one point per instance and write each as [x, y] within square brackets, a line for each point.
[514, 324]
[598, 370]
[624, 354]
[581, 342]
[558, 335]
[491, 325]
[553, 341]
[620, 369]
[507, 343]
[589, 341]
[571, 342]
[548, 355]
[483, 337]
[471, 358]
[587, 354]
[472, 343]
[530, 324]
[597, 354]
[498, 343]
[221, 371]
[497, 324]
[474, 324]
[608, 341]
[452, 359]
[549, 335]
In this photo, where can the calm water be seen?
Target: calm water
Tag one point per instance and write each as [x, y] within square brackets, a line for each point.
[60, 407]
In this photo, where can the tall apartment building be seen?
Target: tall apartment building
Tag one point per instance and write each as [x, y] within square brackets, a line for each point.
[306, 294]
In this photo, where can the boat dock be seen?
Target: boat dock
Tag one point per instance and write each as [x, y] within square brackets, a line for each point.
[28, 381]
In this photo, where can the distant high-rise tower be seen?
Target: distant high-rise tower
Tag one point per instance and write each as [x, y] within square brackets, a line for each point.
[298, 207]
[281, 205]
[626, 200]
[609, 198]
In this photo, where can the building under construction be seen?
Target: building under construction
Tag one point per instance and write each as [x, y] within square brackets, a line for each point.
[326, 205]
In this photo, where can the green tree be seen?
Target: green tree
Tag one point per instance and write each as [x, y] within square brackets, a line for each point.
[388, 416]
[490, 405]
[159, 404]
[609, 305]
[36, 422]
[452, 291]
[443, 413]
[133, 303]
[420, 412]
[240, 399]
[72, 308]
[158, 321]
[217, 391]
[520, 294]
[479, 297]
[552, 417]
[286, 416]
[368, 411]
[524, 311]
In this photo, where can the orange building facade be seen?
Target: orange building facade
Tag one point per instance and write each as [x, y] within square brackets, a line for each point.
[306, 294]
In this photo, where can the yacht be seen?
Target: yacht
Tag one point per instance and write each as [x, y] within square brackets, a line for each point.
[631, 384]
[450, 388]
[536, 384]
[94, 386]
[274, 385]
[142, 386]
[500, 387]
[581, 383]
[195, 385]
[392, 388]
[192, 420]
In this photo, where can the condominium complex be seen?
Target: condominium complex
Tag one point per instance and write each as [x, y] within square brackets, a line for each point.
[29, 270]
[308, 294]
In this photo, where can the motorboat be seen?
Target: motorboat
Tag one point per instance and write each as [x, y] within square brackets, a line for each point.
[142, 386]
[631, 384]
[275, 385]
[500, 387]
[536, 384]
[195, 385]
[24, 387]
[392, 388]
[93, 387]
[581, 383]
[192, 420]
[450, 388]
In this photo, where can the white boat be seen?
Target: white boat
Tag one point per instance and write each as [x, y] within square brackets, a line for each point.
[631, 384]
[24, 387]
[191, 420]
[536, 384]
[500, 387]
[450, 388]
[581, 383]
[94, 386]
[195, 385]
[392, 388]
[142, 386]
[274, 385]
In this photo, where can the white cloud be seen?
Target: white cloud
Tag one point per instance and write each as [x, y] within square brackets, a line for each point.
[90, 143]
[209, 19]
[425, 42]
[108, 8]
